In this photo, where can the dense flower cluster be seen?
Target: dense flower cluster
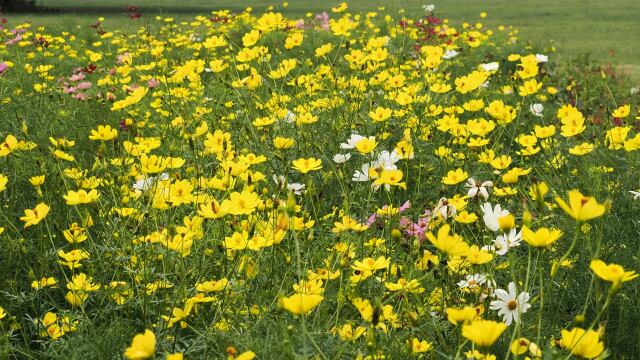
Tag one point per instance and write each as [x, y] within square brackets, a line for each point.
[342, 184]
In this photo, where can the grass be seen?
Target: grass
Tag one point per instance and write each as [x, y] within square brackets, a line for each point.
[605, 30]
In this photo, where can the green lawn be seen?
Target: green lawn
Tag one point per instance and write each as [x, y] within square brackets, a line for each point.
[607, 30]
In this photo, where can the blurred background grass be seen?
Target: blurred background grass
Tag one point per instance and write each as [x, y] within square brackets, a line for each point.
[607, 31]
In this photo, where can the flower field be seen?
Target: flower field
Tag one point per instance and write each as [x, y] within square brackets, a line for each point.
[343, 185]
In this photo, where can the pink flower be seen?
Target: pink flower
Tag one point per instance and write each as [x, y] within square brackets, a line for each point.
[152, 83]
[84, 85]
[3, 67]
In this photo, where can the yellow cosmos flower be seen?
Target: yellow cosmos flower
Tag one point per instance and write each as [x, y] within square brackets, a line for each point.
[448, 244]
[104, 133]
[366, 145]
[483, 333]
[455, 177]
[33, 217]
[541, 238]
[143, 346]
[419, 346]
[580, 207]
[390, 177]
[583, 343]
[300, 303]
[461, 315]
[305, 165]
[3, 182]
[81, 197]
[612, 273]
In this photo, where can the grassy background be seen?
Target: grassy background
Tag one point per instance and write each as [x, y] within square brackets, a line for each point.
[606, 30]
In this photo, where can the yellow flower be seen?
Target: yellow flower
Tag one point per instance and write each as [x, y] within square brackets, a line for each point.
[622, 112]
[306, 165]
[143, 346]
[581, 208]
[366, 145]
[283, 142]
[541, 238]
[391, 177]
[483, 333]
[243, 203]
[583, 343]
[461, 315]
[455, 177]
[3, 182]
[448, 244]
[104, 133]
[418, 346]
[612, 273]
[33, 217]
[81, 197]
[300, 303]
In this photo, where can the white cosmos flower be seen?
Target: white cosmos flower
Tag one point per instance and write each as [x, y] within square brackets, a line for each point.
[477, 188]
[428, 8]
[536, 109]
[450, 54]
[290, 117]
[636, 194]
[145, 183]
[504, 242]
[542, 58]
[445, 209]
[492, 66]
[296, 188]
[361, 175]
[341, 158]
[352, 141]
[491, 216]
[510, 305]
[387, 160]
[472, 281]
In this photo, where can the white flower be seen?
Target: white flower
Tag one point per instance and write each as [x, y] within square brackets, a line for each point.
[542, 58]
[504, 242]
[145, 183]
[472, 281]
[445, 209]
[450, 54]
[428, 8]
[491, 216]
[279, 180]
[289, 117]
[510, 305]
[361, 175]
[636, 194]
[536, 109]
[634, 90]
[296, 188]
[492, 66]
[387, 160]
[351, 142]
[477, 188]
[341, 158]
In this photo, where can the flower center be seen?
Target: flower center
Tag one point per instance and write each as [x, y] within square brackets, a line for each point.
[512, 305]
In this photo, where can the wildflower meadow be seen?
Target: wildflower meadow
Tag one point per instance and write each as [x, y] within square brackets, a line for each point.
[338, 185]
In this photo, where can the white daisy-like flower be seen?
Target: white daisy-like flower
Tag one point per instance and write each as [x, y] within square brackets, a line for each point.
[145, 183]
[445, 209]
[542, 58]
[351, 142]
[536, 109]
[472, 281]
[492, 66]
[362, 174]
[387, 160]
[290, 117]
[428, 8]
[504, 242]
[491, 215]
[477, 188]
[341, 158]
[510, 305]
[450, 54]
[636, 194]
[296, 188]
